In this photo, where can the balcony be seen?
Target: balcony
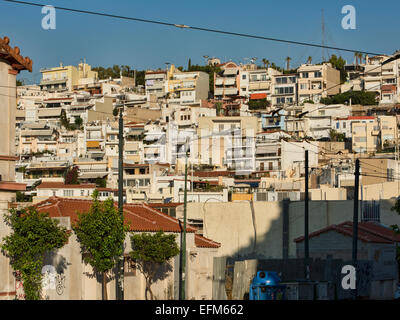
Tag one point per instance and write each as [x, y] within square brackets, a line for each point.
[56, 81]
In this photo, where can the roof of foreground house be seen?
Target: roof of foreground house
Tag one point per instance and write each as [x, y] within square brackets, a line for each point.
[140, 217]
[367, 232]
[13, 56]
[62, 185]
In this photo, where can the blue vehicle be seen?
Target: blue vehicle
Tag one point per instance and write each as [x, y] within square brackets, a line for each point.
[266, 286]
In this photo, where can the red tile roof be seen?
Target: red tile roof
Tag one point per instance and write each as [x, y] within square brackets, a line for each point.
[165, 205]
[62, 185]
[256, 96]
[140, 217]
[13, 56]
[360, 118]
[202, 242]
[12, 186]
[367, 232]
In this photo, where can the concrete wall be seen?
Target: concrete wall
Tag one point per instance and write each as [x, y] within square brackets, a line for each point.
[81, 283]
[8, 106]
[7, 282]
[258, 232]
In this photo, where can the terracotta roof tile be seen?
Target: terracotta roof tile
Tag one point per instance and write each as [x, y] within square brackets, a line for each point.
[140, 217]
[367, 232]
[203, 242]
[62, 185]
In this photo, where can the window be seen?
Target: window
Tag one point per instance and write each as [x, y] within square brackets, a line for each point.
[68, 193]
[263, 77]
[244, 77]
[304, 74]
[129, 266]
[303, 86]
[82, 193]
[344, 125]
[317, 74]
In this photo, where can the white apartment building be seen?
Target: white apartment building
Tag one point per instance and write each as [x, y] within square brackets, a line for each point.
[317, 81]
[284, 90]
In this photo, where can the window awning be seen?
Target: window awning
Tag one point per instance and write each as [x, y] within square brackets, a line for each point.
[266, 149]
[93, 144]
[230, 71]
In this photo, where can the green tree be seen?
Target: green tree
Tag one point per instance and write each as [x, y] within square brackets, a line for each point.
[339, 63]
[152, 252]
[218, 107]
[258, 104]
[265, 63]
[189, 64]
[101, 233]
[101, 182]
[336, 136]
[72, 176]
[20, 83]
[288, 59]
[33, 235]
[64, 120]
[78, 122]
[140, 77]
[364, 98]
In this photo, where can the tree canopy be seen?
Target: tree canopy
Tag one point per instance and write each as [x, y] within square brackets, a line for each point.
[33, 235]
[339, 63]
[151, 252]
[101, 233]
[72, 176]
[365, 98]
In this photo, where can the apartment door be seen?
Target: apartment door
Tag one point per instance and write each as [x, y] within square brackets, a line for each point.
[262, 166]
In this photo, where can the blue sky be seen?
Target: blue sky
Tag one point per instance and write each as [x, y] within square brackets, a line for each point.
[106, 41]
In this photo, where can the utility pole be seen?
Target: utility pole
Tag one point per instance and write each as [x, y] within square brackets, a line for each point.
[355, 218]
[182, 264]
[119, 279]
[306, 244]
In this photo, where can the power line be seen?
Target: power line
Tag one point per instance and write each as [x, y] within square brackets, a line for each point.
[183, 26]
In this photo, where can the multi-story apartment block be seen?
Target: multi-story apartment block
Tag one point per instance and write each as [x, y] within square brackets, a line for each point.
[368, 135]
[155, 83]
[94, 134]
[365, 137]
[64, 78]
[284, 90]
[344, 125]
[256, 83]
[37, 138]
[154, 144]
[186, 87]
[383, 79]
[317, 81]
[67, 146]
[318, 120]
[227, 142]
[90, 169]
[227, 82]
